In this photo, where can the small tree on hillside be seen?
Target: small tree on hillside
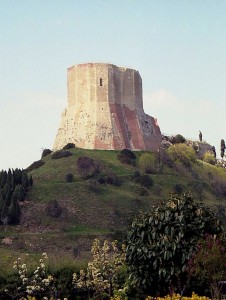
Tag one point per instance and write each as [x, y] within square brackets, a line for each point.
[182, 153]
[222, 148]
[200, 136]
[86, 167]
[147, 163]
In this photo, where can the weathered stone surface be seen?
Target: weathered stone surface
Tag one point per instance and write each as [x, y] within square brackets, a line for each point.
[105, 110]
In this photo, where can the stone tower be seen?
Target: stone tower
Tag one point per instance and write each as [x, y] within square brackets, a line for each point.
[105, 110]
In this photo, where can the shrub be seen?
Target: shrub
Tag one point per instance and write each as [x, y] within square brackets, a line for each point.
[60, 154]
[209, 158]
[69, 177]
[94, 186]
[144, 180]
[182, 153]
[208, 263]
[147, 163]
[177, 139]
[46, 152]
[126, 156]
[35, 165]
[178, 188]
[87, 167]
[157, 189]
[109, 178]
[160, 243]
[141, 191]
[69, 146]
[105, 274]
[53, 209]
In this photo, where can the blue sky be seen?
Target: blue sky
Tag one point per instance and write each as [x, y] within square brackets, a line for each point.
[179, 48]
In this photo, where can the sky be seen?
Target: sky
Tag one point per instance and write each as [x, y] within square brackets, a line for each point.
[178, 47]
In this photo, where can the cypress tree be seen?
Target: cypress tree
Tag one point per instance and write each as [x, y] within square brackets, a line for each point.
[222, 148]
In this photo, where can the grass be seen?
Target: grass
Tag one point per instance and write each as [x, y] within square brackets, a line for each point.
[103, 214]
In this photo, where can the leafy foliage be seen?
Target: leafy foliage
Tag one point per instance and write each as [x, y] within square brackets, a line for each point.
[147, 163]
[60, 154]
[143, 179]
[69, 177]
[69, 146]
[160, 243]
[182, 153]
[105, 274]
[109, 178]
[222, 148]
[126, 156]
[87, 167]
[14, 185]
[208, 263]
[46, 152]
[209, 158]
[53, 209]
[35, 165]
[178, 139]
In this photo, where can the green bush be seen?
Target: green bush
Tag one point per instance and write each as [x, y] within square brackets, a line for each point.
[35, 165]
[177, 139]
[60, 154]
[144, 180]
[147, 163]
[53, 209]
[161, 242]
[178, 188]
[126, 156]
[46, 152]
[69, 146]
[209, 158]
[69, 177]
[109, 178]
[182, 153]
[87, 167]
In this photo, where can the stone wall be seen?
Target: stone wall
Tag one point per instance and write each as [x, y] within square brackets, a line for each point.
[105, 110]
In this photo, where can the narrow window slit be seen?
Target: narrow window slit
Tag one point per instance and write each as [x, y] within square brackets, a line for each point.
[101, 81]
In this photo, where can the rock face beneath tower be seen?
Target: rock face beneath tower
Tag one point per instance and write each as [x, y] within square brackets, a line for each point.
[105, 110]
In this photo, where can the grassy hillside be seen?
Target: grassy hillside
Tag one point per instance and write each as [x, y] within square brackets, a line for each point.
[63, 218]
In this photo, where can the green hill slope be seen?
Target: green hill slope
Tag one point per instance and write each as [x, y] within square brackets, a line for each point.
[63, 218]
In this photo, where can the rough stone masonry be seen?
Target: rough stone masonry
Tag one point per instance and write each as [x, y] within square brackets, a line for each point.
[105, 110]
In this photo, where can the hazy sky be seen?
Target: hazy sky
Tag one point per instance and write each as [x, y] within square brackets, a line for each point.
[178, 46]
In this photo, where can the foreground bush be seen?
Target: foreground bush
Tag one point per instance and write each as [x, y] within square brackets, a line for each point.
[161, 242]
[179, 297]
[105, 274]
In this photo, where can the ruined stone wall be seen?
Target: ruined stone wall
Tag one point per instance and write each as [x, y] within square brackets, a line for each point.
[105, 110]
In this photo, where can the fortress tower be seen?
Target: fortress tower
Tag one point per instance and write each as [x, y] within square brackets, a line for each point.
[105, 110]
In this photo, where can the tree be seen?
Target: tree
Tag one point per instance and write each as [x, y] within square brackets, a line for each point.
[86, 166]
[208, 263]
[222, 148]
[178, 139]
[160, 243]
[147, 163]
[209, 158]
[214, 152]
[182, 153]
[200, 136]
